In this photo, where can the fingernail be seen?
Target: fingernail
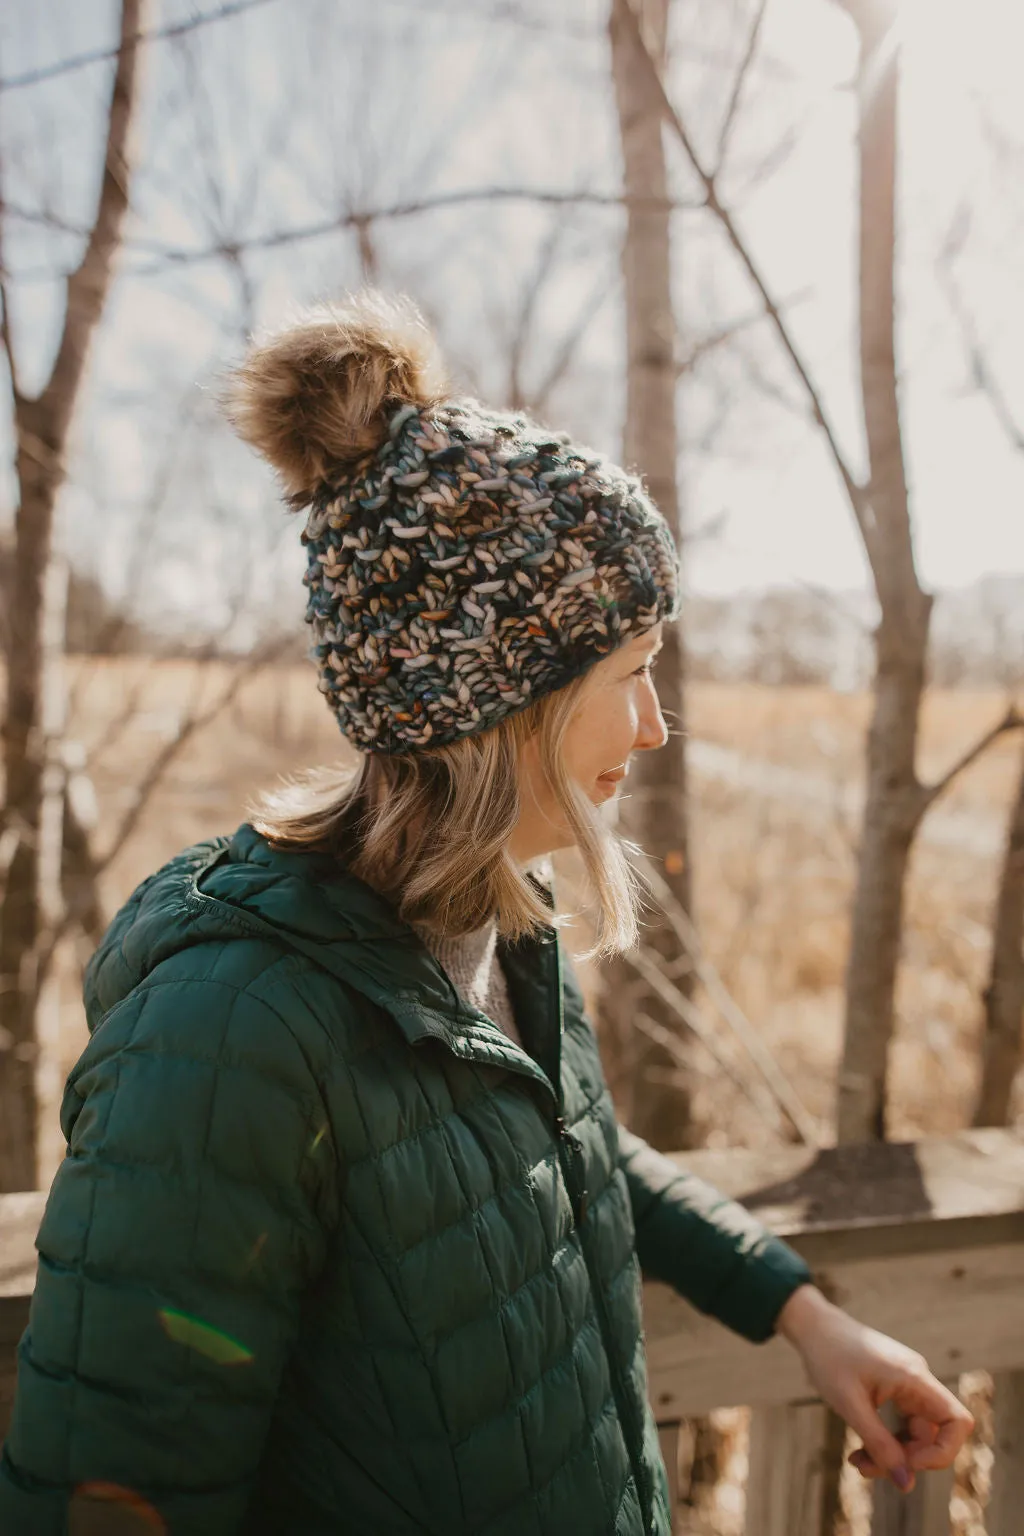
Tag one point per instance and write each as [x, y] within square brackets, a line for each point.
[901, 1477]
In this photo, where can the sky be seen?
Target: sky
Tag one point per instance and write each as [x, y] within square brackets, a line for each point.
[301, 108]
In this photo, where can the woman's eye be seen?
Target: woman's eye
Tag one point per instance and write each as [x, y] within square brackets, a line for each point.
[648, 666]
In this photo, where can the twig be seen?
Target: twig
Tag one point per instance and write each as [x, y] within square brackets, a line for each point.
[163, 760]
[692, 1018]
[981, 370]
[88, 284]
[725, 333]
[155, 772]
[1013, 720]
[856, 493]
[165, 257]
[568, 346]
[780, 1087]
[737, 86]
[275, 238]
[6, 336]
[98, 55]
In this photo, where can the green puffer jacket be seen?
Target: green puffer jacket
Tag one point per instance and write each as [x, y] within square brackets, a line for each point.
[329, 1254]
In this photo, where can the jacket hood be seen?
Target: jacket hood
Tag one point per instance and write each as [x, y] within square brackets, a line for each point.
[241, 888]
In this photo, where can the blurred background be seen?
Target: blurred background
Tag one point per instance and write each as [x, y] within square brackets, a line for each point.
[766, 253]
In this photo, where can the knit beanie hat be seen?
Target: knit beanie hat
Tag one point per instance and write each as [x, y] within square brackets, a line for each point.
[462, 562]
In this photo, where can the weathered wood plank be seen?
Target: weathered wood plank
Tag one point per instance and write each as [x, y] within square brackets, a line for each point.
[843, 1195]
[976, 1173]
[951, 1209]
[784, 1484]
[20, 1216]
[961, 1310]
[668, 1439]
[1005, 1514]
[925, 1511]
[19, 1220]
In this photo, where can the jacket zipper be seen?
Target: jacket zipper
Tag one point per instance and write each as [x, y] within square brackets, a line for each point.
[574, 1150]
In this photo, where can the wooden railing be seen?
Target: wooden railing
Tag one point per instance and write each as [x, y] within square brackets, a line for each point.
[924, 1241]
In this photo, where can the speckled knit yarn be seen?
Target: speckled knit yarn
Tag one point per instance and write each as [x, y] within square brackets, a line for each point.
[470, 565]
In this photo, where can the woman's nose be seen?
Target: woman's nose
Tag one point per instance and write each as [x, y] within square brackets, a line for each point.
[652, 731]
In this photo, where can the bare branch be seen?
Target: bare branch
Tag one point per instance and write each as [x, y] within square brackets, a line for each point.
[98, 55]
[856, 493]
[1013, 720]
[46, 218]
[87, 285]
[692, 1018]
[6, 335]
[354, 219]
[77, 911]
[526, 310]
[737, 86]
[775, 1079]
[170, 256]
[569, 345]
[725, 333]
[982, 373]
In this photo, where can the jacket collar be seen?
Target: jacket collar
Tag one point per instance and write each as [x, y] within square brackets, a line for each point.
[310, 903]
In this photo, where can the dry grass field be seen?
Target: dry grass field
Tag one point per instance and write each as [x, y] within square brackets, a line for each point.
[774, 851]
[773, 865]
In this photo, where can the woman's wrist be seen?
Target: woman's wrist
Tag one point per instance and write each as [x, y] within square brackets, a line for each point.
[804, 1309]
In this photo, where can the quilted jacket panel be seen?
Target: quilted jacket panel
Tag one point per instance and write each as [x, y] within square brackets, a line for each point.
[329, 1253]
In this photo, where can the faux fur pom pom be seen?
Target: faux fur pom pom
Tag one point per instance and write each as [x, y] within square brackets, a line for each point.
[315, 397]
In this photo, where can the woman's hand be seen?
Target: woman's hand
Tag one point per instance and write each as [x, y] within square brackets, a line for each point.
[855, 1370]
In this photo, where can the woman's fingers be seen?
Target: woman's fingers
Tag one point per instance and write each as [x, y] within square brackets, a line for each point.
[861, 1459]
[924, 1444]
[942, 1450]
[881, 1451]
[938, 1424]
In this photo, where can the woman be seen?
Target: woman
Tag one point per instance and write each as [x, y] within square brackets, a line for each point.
[347, 1238]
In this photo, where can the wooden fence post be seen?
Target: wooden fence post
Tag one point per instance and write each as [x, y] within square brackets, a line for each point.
[1005, 1512]
[925, 1512]
[784, 1485]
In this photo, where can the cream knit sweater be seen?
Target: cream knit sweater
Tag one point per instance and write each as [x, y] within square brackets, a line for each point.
[471, 961]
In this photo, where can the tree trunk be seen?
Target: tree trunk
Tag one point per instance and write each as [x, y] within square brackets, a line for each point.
[41, 427]
[655, 810]
[895, 799]
[1004, 995]
[891, 815]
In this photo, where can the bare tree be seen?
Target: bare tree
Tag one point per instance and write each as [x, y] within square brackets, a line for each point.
[896, 799]
[1004, 995]
[657, 809]
[894, 796]
[1003, 998]
[41, 427]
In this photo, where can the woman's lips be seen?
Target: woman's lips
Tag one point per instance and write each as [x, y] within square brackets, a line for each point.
[612, 778]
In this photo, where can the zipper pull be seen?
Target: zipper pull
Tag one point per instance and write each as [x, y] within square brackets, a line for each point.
[578, 1199]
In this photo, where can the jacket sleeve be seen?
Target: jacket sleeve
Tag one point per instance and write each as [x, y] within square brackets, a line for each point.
[708, 1248]
[189, 1216]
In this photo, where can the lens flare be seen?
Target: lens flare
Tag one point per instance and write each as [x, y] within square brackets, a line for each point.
[254, 1252]
[203, 1338]
[113, 1493]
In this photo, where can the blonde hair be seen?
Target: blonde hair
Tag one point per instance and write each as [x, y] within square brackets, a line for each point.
[430, 829]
